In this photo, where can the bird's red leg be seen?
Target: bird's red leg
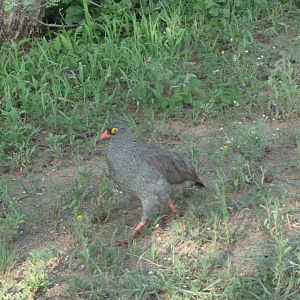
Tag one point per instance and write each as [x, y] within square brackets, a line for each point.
[174, 212]
[173, 208]
[136, 231]
[132, 235]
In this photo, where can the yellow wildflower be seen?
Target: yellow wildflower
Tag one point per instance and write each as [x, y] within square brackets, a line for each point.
[79, 218]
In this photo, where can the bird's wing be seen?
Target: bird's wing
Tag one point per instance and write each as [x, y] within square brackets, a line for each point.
[176, 168]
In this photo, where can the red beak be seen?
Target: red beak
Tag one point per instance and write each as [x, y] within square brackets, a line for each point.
[105, 135]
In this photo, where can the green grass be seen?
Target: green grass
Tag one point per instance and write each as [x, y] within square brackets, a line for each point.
[69, 85]
[35, 280]
[11, 220]
[208, 78]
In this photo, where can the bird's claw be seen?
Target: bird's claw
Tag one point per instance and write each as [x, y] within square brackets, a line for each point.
[124, 244]
[170, 218]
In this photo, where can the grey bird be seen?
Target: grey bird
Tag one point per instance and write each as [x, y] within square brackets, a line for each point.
[152, 174]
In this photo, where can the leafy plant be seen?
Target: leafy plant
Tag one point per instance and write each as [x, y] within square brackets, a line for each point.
[285, 90]
[242, 174]
[249, 141]
[55, 143]
[11, 220]
[35, 276]
[103, 203]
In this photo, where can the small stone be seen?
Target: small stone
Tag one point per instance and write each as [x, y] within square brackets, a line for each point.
[268, 178]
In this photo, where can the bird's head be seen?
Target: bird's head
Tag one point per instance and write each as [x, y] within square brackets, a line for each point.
[114, 129]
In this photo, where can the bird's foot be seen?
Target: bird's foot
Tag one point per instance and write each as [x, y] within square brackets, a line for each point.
[174, 213]
[173, 209]
[121, 244]
[169, 219]
[133, 234]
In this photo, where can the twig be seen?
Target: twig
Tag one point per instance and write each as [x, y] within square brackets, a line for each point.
[91, 2]
[55, 25]
[147, 260]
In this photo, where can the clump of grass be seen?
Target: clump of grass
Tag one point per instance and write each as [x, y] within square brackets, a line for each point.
[248, 141]
[285, 90]
[103, 203]
[77, 195]
[11, 220]
[241, 173]
[55, 143]
[35, 277]
[220, 194]
[71, 199]
[277, 276]
[97, 259]
[277, 270]
[91, 285]
[38, 261]
[246, 173]
[17, 137]
[298, 149]
[8, 256]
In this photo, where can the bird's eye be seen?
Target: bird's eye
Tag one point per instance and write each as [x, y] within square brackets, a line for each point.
[114, 130]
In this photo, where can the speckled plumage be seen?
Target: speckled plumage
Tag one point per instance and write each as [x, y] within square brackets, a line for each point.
[149, 172]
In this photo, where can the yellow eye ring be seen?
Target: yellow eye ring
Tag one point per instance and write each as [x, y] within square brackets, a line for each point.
[114, 130]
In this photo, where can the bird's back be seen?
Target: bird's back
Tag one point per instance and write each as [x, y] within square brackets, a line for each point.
[139, 167]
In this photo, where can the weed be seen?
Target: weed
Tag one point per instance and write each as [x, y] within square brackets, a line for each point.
[8, 256]
[11, 220]
[249, 141]
[17, 139]
[274, 214]
[285, 90]
[245, 173]
[276, 278]
[220, 194]
[103, 203]
[298, 148]
[55, 142]
[97, 259]
[35, 276]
